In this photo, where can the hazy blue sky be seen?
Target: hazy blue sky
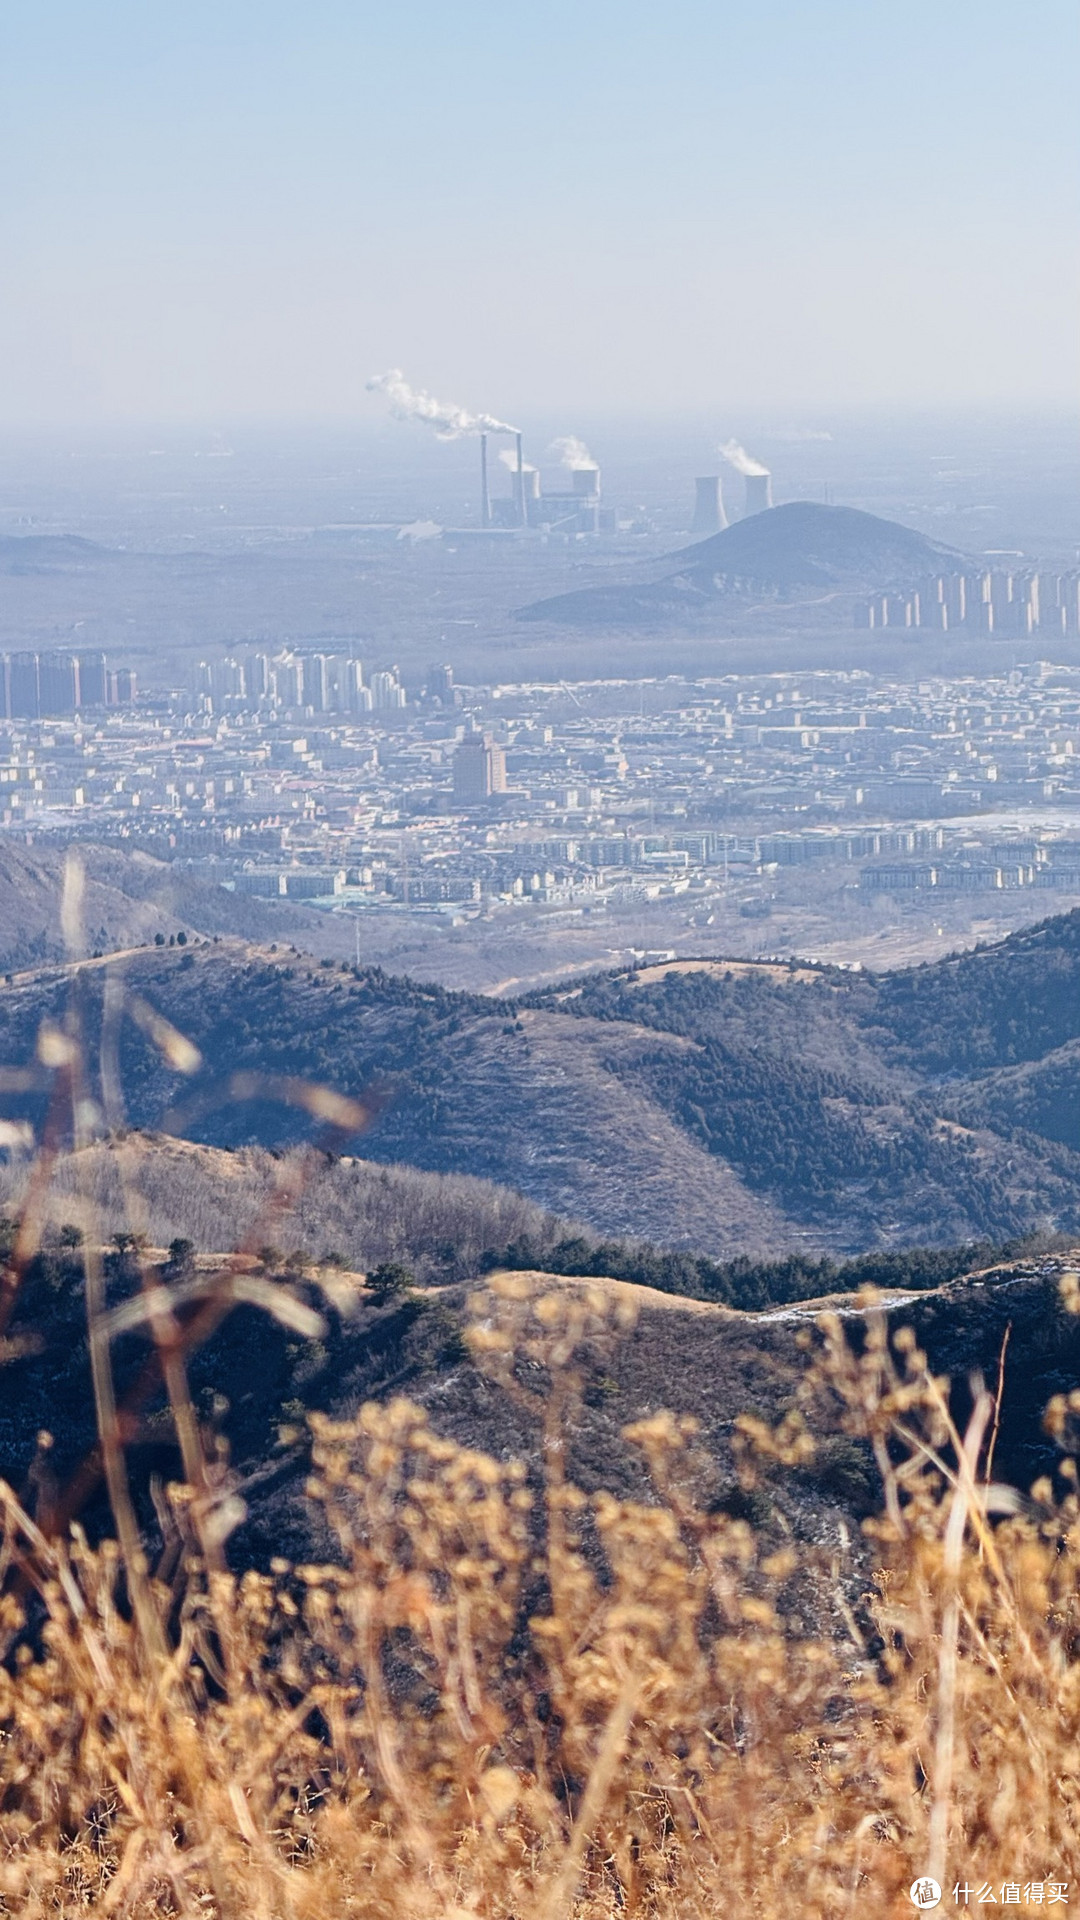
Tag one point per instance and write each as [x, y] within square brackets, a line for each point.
[224, 208]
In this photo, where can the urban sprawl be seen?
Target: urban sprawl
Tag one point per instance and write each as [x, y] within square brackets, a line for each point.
[305, 775]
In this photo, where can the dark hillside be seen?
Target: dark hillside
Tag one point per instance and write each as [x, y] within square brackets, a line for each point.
[255, 1380]
[785, 1084]
[1038, 1097]
[992, 1008]
[45, 552]
[804, 544]
[789, 551]
[530, 1103]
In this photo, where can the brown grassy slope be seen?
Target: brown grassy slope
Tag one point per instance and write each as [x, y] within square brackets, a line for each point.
[167, 1188]
[716, 1363]
[575, 1129]
[546, 1107]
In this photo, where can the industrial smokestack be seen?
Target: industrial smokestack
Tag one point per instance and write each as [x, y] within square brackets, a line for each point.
[519, 482]
[485, 497]
[709, 515]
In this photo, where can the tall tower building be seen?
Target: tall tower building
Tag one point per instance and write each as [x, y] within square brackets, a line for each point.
[24, 698]
[92, 679]
[387, 692]
[58, 683]
[479, 770]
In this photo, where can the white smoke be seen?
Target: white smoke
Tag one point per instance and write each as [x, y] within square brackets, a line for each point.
[742, 461]
[572, 453]
[509, 459]
[449, 422]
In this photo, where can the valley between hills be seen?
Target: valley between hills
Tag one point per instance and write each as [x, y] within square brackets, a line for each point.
[734, 1110]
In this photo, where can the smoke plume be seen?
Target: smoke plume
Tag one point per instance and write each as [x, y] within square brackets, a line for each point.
[742, 461]
[449, 422]
[572, 452]
[509, 459]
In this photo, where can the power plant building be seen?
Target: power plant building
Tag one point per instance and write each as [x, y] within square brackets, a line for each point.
[709, 515]
[570, 508]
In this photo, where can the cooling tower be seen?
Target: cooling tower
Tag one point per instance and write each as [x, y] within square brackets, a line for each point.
[586, 480]
[758, 493]
[709, 515]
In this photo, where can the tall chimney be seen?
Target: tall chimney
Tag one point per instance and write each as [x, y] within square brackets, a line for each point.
[485, 497]
[519, 483]
[758, 493]
[709, 515]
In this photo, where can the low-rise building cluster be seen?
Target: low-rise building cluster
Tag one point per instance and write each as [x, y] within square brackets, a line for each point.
[564, 799]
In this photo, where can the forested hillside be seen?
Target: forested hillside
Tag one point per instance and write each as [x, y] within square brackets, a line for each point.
[728, 1111]
[1013, 1001]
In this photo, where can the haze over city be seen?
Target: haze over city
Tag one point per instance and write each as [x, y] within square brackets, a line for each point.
[237, 212]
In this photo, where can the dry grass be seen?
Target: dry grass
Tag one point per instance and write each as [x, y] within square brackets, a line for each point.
[509, 1700]
[439, 1224]
[513, 1701]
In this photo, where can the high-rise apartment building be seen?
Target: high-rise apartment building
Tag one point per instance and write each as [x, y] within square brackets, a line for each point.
[92, 679]
[58, 683]
[50, 685]
[387, 691]
[24, 697]
[121, 687]
[479, 770]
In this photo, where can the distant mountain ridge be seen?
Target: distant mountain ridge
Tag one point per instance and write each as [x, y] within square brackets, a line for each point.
[31, 552]
[797, 547]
